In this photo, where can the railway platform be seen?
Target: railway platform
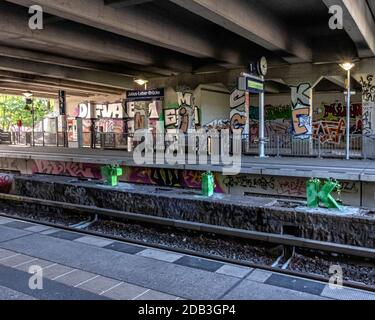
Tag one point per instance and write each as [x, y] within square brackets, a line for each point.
[358, 170]
[78, 266]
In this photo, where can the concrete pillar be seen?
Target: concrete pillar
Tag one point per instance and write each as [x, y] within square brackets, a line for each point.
[80, 132]
[368, 109]
[302, 118]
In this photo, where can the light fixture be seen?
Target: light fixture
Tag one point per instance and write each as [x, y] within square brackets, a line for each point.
[28, 94]
[347, 66]
[141, 82]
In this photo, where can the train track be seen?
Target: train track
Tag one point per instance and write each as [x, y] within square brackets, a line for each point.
[289, 244]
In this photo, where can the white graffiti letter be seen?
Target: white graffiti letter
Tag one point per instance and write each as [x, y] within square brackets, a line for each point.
[337, 19]
[336, 281]
[142, 153]
[36, 20]
[36, 281]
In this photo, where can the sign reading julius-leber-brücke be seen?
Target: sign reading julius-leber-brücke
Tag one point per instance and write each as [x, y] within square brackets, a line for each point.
[145, 94]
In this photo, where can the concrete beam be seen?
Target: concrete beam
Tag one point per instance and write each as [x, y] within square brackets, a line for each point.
[153, 28]
[287, 75]
[124, 3]
[338, 80]
[253, 24]
[84, 40]
[371, 4]
[359, 24]
[37, 90]
[6, 51]
[56, 84]
[18, 93]
[59, 72]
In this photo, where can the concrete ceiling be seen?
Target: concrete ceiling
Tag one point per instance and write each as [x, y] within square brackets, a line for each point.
[106, 44]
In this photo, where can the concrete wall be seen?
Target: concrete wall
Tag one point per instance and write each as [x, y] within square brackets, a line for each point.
[255, 214]
[214, 105]
[354, 193]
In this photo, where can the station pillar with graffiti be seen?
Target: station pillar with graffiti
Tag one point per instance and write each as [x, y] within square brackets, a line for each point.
[302, 117]
[368, 120]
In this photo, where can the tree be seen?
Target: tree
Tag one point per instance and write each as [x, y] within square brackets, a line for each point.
[13, 108]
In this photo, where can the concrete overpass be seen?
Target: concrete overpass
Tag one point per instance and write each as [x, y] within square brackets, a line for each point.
[101, 46]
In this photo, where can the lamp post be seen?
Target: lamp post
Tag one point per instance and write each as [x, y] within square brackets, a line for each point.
[348, 66]
[28, 95]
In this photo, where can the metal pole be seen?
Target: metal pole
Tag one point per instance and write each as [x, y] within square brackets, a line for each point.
[348, 119]
[44, 143]
[261, 126]
[33, 120]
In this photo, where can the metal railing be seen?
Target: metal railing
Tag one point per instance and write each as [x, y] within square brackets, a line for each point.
[38, 139]
[321, 146]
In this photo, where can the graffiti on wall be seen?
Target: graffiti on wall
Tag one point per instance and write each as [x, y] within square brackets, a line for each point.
[6, 182]
[277, 120]
[167, 178]
[276, 186]
[219, 124]
[368, 98]
[330, 121]
[12, 164]
[368, 88]
[136, 112]
[70, 169]
[184, 114]
[238, 119]
[105, 110]
[301, 111]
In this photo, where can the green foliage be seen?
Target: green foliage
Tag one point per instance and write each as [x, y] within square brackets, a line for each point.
[13, 108]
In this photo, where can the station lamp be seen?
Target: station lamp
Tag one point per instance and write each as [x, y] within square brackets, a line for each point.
[28, 94]
[141, 82]
[348, 66]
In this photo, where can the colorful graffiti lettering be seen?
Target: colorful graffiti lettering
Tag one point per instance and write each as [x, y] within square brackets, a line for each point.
[238, 117]
[330, 131]
[70, 169]
[106, 110]
[272, 112]
[338, 110]
[301, 111]
[167, 178]
[184, 114]
[330, 122]
[6, 182]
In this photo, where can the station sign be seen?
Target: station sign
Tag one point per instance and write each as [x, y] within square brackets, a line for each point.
[145, 94]
[251, 84]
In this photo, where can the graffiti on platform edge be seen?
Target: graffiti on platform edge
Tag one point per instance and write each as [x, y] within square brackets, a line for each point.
[6, 182]
[257, 184]
[10, 164]
[277, 186]
[167, 178]
[70, 169]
